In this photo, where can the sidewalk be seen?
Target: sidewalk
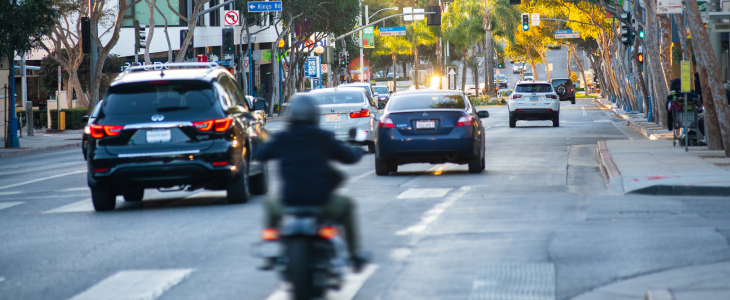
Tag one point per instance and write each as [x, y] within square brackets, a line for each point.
[706, 282]
[654, 166]
[42, 142]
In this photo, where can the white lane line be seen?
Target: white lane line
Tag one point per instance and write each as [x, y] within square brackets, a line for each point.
[9, 193]
[596, 121]
[134, 285]
[353, 284]
[4, 205]
[2, 279]
[40, 179]
[76, 189]
[413, 193]
[81, 206]
[433, 214]
[584, 111]
[361, 176]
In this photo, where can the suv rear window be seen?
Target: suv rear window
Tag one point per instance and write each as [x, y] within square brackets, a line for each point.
[565, 82]
[159, 96]
[534, 88]
[337, 97]
[426, 101]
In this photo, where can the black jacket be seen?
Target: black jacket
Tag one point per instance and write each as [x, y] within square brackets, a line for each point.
[305, 152]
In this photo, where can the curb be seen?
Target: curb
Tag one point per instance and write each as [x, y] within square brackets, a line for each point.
[609, 169]
[683, 190]
[636, 125]
[40, 149]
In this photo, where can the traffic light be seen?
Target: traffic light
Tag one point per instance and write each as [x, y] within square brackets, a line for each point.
[140, 39]
[227, 34]
[626, 34]
[433, 19]
[641, 32]
[641, 56]
[343, 78]
[86, 35]
[190, 52]
[525, 22]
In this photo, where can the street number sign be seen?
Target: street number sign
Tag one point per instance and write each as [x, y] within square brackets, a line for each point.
[669, 7]
[231, 17]
[264, 6]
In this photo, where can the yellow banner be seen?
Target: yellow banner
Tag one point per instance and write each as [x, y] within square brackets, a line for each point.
[686, 76]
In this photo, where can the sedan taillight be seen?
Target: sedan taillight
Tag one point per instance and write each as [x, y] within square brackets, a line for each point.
[465, 120]
[100, 131]
[385, 122]
[363, 113]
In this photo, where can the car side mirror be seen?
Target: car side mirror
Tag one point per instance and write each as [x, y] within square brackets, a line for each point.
[483, 114]
[260, 104]
[85, 119]
[236, 110]
[381, 105]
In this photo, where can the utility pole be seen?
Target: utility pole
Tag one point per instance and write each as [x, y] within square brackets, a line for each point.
[93, 58]
[362, 70]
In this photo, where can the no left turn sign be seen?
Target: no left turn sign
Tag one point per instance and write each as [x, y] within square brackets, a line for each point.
[231, 17]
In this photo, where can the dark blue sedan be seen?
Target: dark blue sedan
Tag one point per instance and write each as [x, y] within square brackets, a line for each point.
[429, 126]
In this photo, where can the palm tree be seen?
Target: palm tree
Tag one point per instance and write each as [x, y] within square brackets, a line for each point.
[501, 19]
[392, 45]
[418, 34]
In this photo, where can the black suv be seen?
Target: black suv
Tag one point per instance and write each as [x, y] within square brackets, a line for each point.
[186, 127]
[564, 88]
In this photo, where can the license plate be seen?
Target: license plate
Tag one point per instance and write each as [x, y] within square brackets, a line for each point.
[533, 98]
[158, 136]
[332, 118]
[428, 124]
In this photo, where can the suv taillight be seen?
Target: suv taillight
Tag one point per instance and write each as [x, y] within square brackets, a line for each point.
[100, 131]
[218, 125]
[363, 113]
[465, 120]
[552, 96]
[516, 96]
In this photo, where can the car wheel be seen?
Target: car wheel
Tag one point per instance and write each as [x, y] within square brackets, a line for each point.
[104, 199]
[259, 183]
[512, 122]
[237, 191]
[475, 165]
[133, 195]
[393, 166]
[572, 101]
[556, 121]
[381, 167]
[371, 147]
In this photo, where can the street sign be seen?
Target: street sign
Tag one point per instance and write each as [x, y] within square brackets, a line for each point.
[669, 7]
[312, 66]
[566, 34]
[231, 17]
[245, 64]
[535, 19]
[574, 77]
[264, 6]
[324, 68]
[497, 71]
[419, 16]
[452, 72]
[392, 31]
[315, 83]
[257, 55]
[408, 10]
[686, 77]
[550, 67]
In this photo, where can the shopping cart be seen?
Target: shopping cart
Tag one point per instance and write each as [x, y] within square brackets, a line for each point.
[682, 119]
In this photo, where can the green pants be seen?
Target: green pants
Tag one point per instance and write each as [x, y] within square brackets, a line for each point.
[339, 208]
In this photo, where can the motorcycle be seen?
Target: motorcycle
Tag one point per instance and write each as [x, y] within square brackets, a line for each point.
[307, 249]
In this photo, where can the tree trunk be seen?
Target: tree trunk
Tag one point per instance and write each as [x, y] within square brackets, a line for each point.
[532, 62]
[463, 70]
[706, 60]
[167, 35]
[394, 71]
[570, 71]
[438, 73]
[541, 52]
[659, 80]
[475, 71]
[579, 64]
[666, 47]
[642, 84]
[488, 55]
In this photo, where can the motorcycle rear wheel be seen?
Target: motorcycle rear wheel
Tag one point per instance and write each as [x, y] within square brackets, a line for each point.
[301, 269]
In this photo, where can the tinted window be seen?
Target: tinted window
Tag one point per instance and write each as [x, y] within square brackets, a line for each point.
[158, 96]
[381, 90]
[338, 97]
[534, 88]
[96, 110]
[557, 82]
[237, 95]
[426, 101]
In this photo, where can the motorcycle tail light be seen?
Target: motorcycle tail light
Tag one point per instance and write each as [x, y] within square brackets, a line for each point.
[327, 232]
[386, 122]
[363, 113]
[270, 234]
[465, 120]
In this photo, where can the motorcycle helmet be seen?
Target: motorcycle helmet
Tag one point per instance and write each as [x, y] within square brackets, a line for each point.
[303, 110]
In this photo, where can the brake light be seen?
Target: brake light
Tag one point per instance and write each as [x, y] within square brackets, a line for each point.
[571, 89]
[363, 113]
[220, 163]
[101, 170]
[465, 120]
[552, 96]
[327, 232]
[550, 109]
[159, 82]
[99, 131]
[516, 96]
[270, 234]
[385, 122]
[218, 125]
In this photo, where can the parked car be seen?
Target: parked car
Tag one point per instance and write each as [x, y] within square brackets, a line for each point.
[533, 101]
[503, 82]
[343, 108]
[188, 130]
[430, 126]
[383, 93]
[564, 88]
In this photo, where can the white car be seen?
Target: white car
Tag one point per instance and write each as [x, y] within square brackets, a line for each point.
[470, 90]
[529, 76]
[343, 108]
[517, 66]
[420, 87]
[533, 100]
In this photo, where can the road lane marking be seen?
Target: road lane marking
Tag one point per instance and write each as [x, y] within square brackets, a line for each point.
[76, 189]
[4, 205]
[584, 111]
[361, 176]
[413, 193]
[514, 281]
[9, 193]
[400, 254]
[353, 284]
[596, 121]
[433, 214]
[81, 206]
[135, 285]
[40, 179]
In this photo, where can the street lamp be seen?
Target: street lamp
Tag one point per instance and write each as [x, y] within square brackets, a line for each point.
[319, 50]
[391, 8]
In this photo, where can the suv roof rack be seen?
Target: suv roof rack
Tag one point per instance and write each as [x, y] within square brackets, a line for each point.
[188, 65]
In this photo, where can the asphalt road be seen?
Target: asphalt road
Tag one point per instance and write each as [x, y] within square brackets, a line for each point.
[539, 220]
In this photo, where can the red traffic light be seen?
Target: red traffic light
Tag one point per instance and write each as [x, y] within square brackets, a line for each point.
[641, 57]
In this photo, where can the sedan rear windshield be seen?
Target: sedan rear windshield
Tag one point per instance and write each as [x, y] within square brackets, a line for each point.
[159, 96]
[426, 101]
[557, 82]
[338, 97]
[534, 88]
[381, 89]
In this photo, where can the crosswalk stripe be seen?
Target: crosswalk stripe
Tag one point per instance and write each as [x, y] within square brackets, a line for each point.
[423, 193]
[81, 206]
[433, 213]
[353, 284]
[4, 205]
[134, 285]
[40, 179]
[9, 193]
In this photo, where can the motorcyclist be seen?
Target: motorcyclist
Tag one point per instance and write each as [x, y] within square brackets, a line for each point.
[304, 151]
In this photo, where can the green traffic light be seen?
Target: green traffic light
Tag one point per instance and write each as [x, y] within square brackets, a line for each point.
[641, 34]
[525, 27]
